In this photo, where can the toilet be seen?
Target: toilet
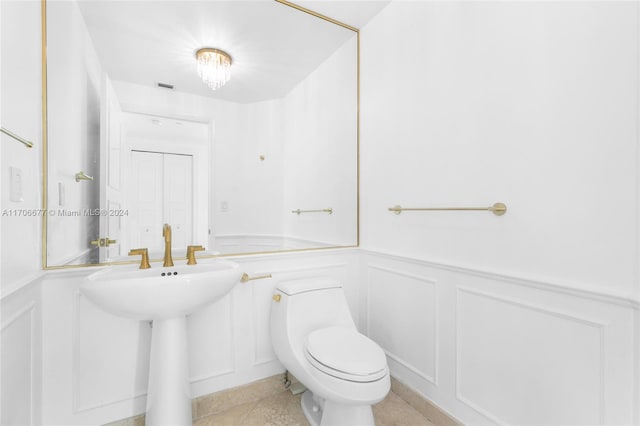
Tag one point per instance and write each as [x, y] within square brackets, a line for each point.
[315, 338]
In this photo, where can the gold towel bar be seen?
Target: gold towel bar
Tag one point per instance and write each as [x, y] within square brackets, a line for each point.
[27, 143]
[245, 277]
[498, 209]
[329, 210]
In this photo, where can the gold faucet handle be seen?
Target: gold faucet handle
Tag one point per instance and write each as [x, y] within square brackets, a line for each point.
[144, 262]
[191, 254]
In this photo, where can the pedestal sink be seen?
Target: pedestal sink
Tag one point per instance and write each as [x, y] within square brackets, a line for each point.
[165, 296]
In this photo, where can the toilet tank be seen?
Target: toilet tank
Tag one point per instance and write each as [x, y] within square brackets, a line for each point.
[307, 305]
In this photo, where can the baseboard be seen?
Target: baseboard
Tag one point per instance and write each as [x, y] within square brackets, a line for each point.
[428, 409]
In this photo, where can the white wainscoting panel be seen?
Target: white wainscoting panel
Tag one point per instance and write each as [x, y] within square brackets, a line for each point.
[487, 348]
[110, 357]
[261, 293]
[500, 349]
[211, 337]
[17, 358]
[403, 318]
[518, 363]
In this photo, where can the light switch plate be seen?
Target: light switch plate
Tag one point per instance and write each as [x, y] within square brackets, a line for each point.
[15, 185]
[61, 194]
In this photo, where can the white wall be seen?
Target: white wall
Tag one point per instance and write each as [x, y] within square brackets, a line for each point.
[21, 357]
[526, 318]
[320, 151]
[20, 112]
[241, 133]
[531, 104]
[308, 149]
[250, 188]
[74, 78]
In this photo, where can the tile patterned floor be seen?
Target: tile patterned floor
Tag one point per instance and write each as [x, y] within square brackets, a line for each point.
[267, 403]
[283, 409]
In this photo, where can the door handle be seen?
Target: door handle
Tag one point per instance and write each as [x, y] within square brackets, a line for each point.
[103, 242]
[99, 242]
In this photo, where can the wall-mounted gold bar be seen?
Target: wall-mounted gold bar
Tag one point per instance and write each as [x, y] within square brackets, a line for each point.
[246, 278]
[329, 210]
[27, 143]
[498, 209]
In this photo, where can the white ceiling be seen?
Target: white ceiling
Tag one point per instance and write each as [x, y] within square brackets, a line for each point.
[273, 46]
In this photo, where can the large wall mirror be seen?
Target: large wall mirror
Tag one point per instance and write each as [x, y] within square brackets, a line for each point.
[136, 138]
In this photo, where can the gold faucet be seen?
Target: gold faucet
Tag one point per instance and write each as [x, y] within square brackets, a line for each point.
[144, 262]
[191, 254]
[166, 233]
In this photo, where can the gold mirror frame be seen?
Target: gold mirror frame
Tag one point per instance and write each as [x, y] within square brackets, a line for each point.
[45, 153]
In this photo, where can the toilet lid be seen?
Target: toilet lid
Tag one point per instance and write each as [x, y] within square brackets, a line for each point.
[346, 354]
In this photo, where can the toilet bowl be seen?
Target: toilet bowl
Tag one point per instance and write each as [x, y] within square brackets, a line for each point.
[315, 338]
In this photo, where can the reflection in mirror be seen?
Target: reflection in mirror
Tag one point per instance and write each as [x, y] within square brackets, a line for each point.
[266, 162]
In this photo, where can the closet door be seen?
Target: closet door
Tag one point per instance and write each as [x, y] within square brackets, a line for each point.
[146, 200]
[161, 191]
[178, 198]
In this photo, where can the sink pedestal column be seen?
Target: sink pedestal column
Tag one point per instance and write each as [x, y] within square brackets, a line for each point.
[169, 391]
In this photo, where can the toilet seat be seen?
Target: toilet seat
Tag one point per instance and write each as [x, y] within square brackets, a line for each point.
[345, 354]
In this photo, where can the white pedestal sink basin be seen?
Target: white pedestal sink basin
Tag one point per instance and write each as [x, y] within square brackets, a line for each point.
[165, 296]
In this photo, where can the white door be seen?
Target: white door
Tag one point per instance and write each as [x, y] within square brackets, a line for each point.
[111, 198]
[178, 198]
[145, 201]
[160, 192]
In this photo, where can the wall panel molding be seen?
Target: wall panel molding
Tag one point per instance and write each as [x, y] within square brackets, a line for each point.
[568, 288]
[77, 378]
[28, 308]
[259, 357]
[8, 289]
[229, 369]
[27, 312]
[401, 358]
[497, 334]
[592, 322]
[558, 314]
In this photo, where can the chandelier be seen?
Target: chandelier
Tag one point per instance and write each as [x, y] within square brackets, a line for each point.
[214, 67]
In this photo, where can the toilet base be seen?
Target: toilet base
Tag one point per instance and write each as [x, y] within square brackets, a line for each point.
[333, 414]
[312, 411]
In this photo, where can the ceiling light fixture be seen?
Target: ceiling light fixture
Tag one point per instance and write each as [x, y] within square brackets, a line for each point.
[214, 67]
